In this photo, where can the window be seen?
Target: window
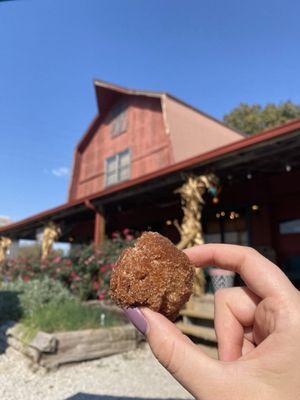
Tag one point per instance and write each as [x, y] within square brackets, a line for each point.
[291, 226]
[111, 170]
[118, 168]
[118, 119]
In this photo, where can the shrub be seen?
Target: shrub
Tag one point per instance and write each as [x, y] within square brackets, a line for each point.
[70, 315]
[92, 267]
[34, 293]
[86, 272]
[48, 306]
[10, 307]
[24, 268]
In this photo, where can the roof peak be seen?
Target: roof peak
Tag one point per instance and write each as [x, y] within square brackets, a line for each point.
[157, 94]
[125, 90]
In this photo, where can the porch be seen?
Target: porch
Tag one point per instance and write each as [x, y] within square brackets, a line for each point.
[259, 204]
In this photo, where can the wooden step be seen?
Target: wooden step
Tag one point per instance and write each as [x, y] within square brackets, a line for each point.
[200, 332]
[201, 313]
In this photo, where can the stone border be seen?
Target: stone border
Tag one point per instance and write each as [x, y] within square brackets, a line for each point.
[53, 350]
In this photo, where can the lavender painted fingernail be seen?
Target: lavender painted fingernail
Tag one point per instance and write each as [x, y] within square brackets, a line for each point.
[137, 318]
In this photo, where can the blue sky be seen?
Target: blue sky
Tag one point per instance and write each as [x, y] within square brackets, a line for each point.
[213, 54]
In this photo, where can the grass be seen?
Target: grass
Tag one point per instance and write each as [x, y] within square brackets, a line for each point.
[70, 315]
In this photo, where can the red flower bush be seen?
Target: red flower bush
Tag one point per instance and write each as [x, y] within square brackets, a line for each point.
[86, 273]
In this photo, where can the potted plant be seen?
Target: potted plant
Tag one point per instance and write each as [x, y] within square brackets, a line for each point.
[221, 278]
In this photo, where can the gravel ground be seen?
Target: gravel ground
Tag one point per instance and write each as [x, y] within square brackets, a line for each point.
[133, 375]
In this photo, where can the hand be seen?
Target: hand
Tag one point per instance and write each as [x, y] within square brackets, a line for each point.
[257, 327]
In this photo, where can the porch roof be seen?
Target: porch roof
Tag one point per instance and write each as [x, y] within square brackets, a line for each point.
[268, 152]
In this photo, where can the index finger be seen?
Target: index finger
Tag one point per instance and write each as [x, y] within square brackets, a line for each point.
[260, 275]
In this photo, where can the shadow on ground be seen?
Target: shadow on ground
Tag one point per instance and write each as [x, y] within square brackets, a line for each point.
[87, 396]
[10, 310]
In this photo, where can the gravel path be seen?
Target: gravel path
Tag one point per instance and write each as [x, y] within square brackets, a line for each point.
[132, 375]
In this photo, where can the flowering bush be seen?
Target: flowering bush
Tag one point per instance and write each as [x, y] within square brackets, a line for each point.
[85, 272]
[24, 268]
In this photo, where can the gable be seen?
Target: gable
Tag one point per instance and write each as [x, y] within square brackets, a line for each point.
[133, 124]
[156, 128]
[193, 133]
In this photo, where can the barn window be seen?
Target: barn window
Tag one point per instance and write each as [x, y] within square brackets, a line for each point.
[118, 168]
[118, 119]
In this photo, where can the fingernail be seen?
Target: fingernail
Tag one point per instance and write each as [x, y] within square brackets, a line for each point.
[137, 318]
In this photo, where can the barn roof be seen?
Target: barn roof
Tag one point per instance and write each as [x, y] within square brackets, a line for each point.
[178, 118]
[102, 86]
[105, 92]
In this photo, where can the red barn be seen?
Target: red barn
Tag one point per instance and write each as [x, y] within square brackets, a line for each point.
[138, 132]
[138, 150]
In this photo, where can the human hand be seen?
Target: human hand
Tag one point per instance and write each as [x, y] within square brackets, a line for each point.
[257, 327]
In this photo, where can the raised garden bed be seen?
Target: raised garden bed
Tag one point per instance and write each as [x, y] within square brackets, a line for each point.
[53, 350]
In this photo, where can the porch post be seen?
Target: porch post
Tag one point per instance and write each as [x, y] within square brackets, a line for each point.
[99, 231]
[99, 226]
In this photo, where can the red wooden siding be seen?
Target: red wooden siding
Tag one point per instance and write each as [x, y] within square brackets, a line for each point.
[145, 136]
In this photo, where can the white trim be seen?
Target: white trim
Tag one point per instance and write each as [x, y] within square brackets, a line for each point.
[164, 113]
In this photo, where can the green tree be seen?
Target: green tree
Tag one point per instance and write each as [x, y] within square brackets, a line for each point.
[255, 118]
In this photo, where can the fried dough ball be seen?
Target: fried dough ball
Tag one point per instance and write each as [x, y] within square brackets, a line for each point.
[154, 274]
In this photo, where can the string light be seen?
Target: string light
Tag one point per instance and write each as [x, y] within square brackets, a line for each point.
[168, 222]
[232, 215]
[249, 175]
[255, 207]
[288, 168]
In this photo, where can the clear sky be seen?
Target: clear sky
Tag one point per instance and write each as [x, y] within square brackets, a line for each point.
[213, 54]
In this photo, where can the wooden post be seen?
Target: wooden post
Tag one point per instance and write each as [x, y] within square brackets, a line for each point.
[99, 231]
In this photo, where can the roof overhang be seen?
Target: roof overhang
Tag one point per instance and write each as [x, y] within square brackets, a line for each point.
[267, 152]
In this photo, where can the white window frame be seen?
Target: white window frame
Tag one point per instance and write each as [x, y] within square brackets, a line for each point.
[119, 121]
[118, 169]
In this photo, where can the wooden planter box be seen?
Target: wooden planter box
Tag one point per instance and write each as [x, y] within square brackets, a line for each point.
[53, 350]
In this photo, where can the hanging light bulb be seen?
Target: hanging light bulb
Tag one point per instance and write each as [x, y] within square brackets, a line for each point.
[232, 215]
[222, 213]
[288, 168]
[218, 215]
[255, 207]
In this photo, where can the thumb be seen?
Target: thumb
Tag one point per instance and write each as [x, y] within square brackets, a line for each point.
[189, 365]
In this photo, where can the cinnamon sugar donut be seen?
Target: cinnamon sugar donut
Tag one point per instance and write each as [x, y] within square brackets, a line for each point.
[154, 274]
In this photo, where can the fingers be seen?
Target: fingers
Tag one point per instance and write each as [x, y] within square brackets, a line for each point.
[261, 276]
[248, 342]
[181, 357]
[234, 311]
